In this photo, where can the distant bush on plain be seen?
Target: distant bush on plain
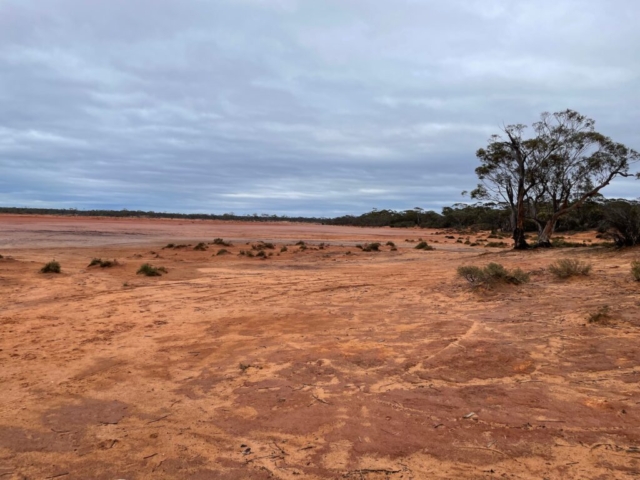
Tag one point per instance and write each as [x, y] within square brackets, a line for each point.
[103, 263]
[149, 270]
[567, 268]
[492, 274]
[423, 246]
[51, 267]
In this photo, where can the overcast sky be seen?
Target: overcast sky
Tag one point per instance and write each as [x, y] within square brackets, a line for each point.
[314, 107]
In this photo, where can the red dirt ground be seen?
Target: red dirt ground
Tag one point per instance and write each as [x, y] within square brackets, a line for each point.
[310, 364]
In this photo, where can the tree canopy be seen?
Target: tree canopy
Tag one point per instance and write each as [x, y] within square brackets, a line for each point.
[543, 177]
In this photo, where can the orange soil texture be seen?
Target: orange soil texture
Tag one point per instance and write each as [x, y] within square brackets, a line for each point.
[310, 363]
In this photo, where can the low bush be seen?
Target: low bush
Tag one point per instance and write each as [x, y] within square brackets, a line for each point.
[371, 247]
[300, 243]
[390, 244]
[169, 245]
[567, 267]
[492, 274]
[423, 246]
[635, 270]
[220, 241]
[51, 267]
[261, 254]
[223, 251]
[103, 263]
[201, 247]
[283, 249]
[149, 270]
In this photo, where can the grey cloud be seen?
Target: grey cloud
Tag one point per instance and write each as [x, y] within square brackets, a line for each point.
[292, 106]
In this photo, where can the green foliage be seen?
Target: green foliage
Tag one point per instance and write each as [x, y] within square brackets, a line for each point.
[51, 267]
[103, 263]
[567, 267]
[635, 270]
[149, 270]
[622, 222]
[492, 274]
[423, 246]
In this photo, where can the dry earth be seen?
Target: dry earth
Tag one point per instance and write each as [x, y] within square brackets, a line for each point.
[310, 364]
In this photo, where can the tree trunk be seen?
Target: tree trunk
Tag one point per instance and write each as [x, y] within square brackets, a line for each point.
[544, 237]
[519, 242]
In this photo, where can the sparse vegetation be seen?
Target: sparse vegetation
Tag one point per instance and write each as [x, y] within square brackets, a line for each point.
[423, 246]
[283, 249]
[222, 251]
[496, 245]
[390, 244]
[201, 247]
[103, 263]
[492, 274]
[635, 270]
[220, 241]
[261, 254]
[300, 243]
[169, 245]
[51, 267]
[567, 267]
[149, 270]
[371, 247]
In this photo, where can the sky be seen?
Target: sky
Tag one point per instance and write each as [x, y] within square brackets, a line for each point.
[294, 107]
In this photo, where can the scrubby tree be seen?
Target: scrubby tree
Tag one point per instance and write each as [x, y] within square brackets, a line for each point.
[553, 173]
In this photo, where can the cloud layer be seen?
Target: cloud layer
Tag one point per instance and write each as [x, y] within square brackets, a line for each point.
[293, 106]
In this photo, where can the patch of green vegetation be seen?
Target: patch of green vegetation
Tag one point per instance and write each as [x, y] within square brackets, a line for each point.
[149, 270]
[567, 267]
[51, 267]
[103, 263]
[423, 246]
[492, 274]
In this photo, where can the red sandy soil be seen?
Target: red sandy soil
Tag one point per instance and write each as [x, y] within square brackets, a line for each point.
[311, 364]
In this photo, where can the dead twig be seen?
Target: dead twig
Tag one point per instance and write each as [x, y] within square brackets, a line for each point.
[158, 419]
[149, 456]
[320, 400]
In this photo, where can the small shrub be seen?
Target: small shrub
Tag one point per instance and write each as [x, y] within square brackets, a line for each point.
[222, 251]
[566, 268]
[94, 262]
[149, 270]
[51, 267]
[201, 247]
[261, 254]
[492, 274]
[635, 270]
[283, 249]
[560, 242]
[220, 241]
[371, 247]
[300, 243]
[303, 247]
[169, 245]
[601, 316]
[103, 263]
[423, 246]
[394, 249]
[390, 244]
[451, 237]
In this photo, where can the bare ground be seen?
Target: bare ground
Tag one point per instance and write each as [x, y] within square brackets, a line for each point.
[310, 364]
